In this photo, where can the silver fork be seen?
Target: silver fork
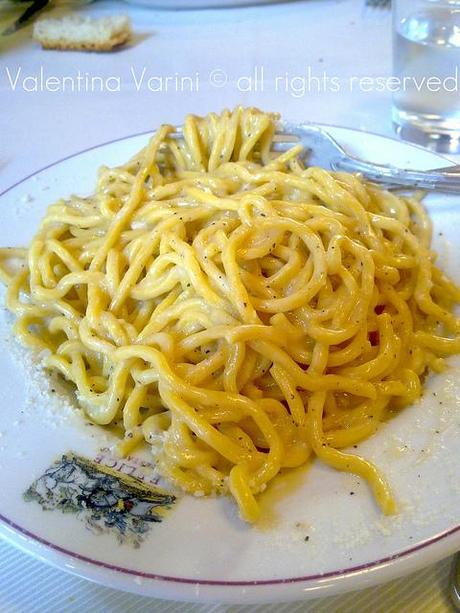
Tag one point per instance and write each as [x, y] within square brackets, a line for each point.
[379, 4]
[455, 582]
[324, 151]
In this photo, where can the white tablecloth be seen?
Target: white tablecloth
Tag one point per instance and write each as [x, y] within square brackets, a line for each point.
[303, 59]
[317, 38]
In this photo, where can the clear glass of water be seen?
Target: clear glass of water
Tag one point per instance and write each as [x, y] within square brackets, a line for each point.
[426, 64]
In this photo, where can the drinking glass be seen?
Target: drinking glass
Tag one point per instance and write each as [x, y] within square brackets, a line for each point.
[426, 67]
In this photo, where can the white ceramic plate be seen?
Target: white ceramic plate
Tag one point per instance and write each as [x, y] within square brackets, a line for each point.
[199, 4]
[202, 551]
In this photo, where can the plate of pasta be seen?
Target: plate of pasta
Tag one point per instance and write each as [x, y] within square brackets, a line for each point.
[227, 375]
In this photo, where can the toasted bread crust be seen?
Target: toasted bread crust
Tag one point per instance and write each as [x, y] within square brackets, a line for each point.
[65, 43]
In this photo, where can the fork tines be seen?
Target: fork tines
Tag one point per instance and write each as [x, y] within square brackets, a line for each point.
[380, 4]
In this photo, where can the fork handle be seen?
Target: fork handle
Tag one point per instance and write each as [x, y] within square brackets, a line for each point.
[440, 179]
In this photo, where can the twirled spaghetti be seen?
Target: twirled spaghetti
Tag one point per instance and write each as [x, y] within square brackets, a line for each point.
[237, 311]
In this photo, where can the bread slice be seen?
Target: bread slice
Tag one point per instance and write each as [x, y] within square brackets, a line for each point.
[83, 33]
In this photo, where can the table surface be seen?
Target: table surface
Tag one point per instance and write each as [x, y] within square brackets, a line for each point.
[305, 59]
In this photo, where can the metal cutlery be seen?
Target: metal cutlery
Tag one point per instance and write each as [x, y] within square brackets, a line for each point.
[455, 582]
[323, 150]
[379, 4]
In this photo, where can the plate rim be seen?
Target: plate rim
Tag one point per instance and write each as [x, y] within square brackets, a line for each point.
[309, 585]
[374, 565]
